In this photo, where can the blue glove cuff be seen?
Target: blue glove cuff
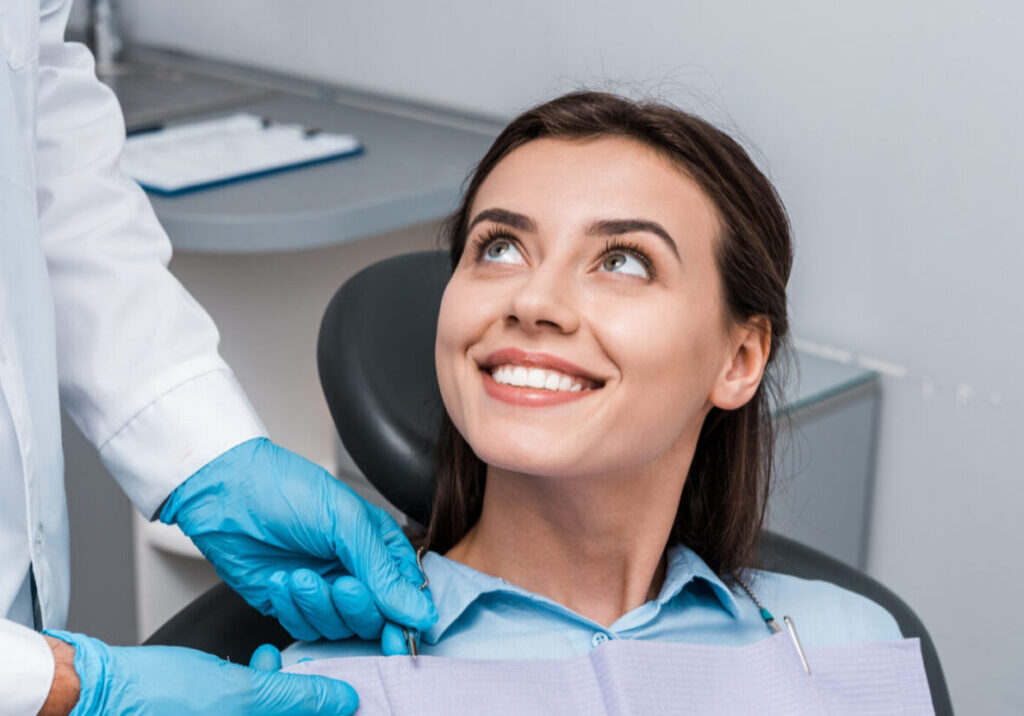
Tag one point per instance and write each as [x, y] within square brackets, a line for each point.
[209, 479]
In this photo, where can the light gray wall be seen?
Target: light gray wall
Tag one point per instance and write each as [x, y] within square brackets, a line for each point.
[102, 571]
[894, 132]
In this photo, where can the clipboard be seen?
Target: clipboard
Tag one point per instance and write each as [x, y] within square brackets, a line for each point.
[208, 153]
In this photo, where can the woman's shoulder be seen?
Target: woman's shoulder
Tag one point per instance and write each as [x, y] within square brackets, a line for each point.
[823, 613]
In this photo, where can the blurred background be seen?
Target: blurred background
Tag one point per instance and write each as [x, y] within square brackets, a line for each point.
[893, 132]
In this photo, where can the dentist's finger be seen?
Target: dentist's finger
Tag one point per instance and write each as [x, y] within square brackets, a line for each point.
[267, 657]
[279, 591]
[392, 640]
[299, 694]
[398, 545]
[354, 602]
[372, 563]
[312, 596]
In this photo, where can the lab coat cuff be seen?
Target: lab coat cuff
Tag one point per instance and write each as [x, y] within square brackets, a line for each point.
[177, 434]
[26, 669]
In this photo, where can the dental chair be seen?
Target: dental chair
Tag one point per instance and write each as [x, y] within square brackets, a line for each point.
[376, 362]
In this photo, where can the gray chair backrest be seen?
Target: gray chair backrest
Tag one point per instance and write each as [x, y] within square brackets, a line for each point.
[376, 362]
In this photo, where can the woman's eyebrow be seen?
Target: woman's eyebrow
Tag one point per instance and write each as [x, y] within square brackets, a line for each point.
[603, 227]
[614, 227]
[504, 216]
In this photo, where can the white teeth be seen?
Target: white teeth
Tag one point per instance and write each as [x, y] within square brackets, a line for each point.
[524, 377]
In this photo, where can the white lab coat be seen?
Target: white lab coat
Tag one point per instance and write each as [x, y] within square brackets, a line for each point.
[91, 320]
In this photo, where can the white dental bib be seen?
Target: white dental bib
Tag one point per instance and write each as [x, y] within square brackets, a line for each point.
[643, 677]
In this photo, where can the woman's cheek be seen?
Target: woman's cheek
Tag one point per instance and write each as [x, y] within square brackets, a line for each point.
[446, 349]
[670, 361]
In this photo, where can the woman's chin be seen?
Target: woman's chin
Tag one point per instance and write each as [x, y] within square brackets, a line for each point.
[529, 463]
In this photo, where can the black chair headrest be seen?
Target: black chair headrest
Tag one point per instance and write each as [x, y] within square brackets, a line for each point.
[376, 360]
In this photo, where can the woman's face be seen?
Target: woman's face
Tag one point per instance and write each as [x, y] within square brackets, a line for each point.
[591, 264]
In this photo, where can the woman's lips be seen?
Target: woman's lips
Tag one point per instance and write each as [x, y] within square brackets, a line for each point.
[518, 356]
[535, 397]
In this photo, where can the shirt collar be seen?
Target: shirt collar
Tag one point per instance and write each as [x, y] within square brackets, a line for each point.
[454, 586]
[684, 566]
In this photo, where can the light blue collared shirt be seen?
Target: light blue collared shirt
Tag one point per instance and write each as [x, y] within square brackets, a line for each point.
[486, 617]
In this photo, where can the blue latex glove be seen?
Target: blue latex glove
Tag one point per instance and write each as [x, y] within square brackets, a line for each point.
[171, 681]
[299, 545]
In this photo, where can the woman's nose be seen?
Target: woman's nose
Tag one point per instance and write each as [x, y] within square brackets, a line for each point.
[545, 300]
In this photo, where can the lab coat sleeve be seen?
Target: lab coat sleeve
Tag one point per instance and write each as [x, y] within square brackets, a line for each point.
[26, 670]
[138, 365]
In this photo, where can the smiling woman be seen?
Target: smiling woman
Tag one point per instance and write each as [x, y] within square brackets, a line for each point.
[676, 313]
[618, 291]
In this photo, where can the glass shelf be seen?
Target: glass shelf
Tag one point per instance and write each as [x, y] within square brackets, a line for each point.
[816, 379]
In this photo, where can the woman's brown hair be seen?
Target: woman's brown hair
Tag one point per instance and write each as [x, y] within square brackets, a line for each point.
[722, 507]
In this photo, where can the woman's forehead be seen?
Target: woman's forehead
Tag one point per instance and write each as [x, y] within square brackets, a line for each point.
[561, 180]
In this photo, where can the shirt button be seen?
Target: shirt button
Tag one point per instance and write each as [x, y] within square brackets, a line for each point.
[599, 638]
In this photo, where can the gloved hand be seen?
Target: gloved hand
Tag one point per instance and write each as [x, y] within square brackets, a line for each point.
[172, 681]
[299, 545]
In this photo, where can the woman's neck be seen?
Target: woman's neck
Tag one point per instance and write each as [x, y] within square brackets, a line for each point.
[593, 544]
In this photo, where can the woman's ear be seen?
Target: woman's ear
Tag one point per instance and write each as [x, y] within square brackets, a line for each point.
[744, 366]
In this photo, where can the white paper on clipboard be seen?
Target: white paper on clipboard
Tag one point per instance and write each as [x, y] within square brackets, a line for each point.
[211, 152]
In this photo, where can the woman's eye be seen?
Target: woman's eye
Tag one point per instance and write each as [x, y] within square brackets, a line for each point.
[625, 260]
[501, 251]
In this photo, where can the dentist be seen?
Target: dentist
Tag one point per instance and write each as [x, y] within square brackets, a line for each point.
[91, 320]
